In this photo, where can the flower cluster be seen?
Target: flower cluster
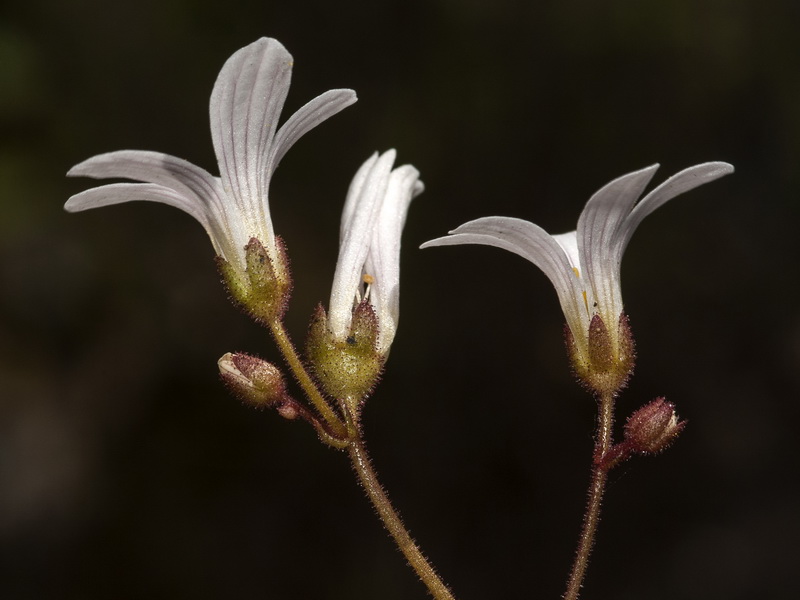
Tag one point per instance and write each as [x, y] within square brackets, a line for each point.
[348, 343]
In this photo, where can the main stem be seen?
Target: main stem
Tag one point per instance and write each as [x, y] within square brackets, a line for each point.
[393, 523]
[603, 441]
[363, 467]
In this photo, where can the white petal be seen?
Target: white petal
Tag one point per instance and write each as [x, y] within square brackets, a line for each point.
[579, 305]
[520, 237]
[177, 183]
[686, 180]
[383, 260]
[306, 118]
[118, 193]
[245, 106]
[606, 210]
[155, 167]
[569, 244]
[539, 247]
[354, 194]
[358, 221]
[598, 231]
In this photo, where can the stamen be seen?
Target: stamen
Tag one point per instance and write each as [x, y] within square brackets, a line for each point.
[369, 280]
[577, 273]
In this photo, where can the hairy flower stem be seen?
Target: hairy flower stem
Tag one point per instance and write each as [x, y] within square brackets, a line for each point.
[603, 442]
[289, 352]
[393, 523]
[349, 432]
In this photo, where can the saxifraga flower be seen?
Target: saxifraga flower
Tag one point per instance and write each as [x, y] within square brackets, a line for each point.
[369, 252]
[245, 106]
[584, 265]
[349, 344]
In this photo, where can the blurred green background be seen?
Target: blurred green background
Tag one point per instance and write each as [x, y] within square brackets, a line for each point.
[126, 469]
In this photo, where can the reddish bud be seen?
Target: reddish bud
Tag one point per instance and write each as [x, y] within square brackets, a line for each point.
[257, 382]
[653, 427]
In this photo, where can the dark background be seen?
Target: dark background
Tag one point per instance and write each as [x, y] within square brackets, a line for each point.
[126, 469]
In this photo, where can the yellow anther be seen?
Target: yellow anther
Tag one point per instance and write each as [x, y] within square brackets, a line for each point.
[585, 298]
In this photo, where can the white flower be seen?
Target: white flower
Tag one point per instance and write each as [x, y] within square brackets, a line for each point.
[245, 106]
[369, 248]
[584, 265]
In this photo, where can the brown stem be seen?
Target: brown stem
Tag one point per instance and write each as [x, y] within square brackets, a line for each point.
[334, 422]
[393, 523]
[603, 441]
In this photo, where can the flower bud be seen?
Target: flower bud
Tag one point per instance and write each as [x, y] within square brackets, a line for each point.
[255, 381]
[653, 427]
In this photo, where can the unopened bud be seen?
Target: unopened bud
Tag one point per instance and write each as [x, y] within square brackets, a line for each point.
[653, 427]
[257, 382]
